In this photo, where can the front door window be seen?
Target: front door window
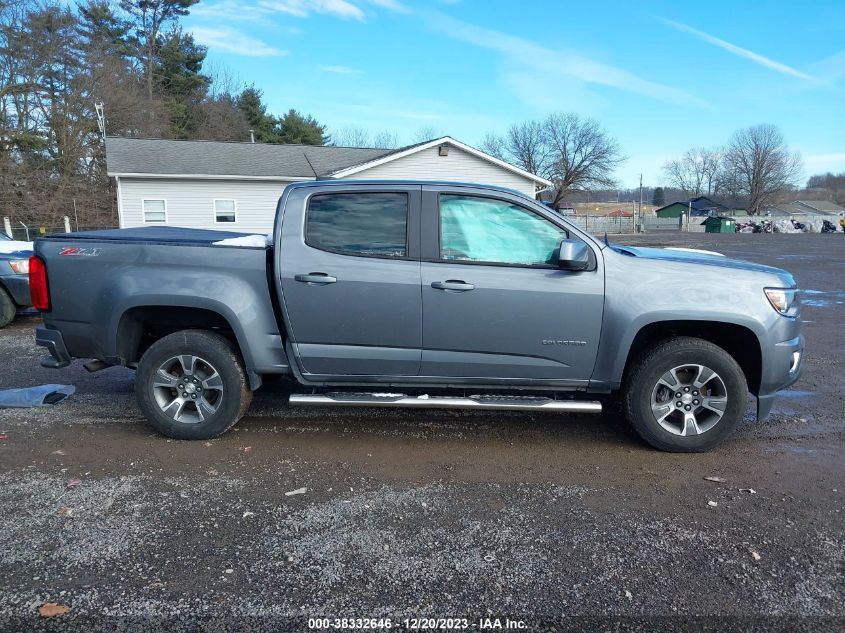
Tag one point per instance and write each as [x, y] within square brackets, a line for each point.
[475, 229]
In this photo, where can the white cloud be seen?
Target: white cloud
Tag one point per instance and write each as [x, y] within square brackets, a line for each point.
[392, 5]
[825, 159]
[739, 51]
[555, 64]
[234, 41]
[344, 9]
[303, 8]
[229, 10]
[341, 70]
[833, 67]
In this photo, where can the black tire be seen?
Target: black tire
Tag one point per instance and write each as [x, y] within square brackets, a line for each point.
[7, 308]
[644, 381]
[217, 362]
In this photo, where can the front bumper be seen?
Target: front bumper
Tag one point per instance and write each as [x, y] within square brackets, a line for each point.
[55, 344]
[782, 366]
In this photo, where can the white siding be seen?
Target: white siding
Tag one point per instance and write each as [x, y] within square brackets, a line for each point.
[457, 166]
[190, 202]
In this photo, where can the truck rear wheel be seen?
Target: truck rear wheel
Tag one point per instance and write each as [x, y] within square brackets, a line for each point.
[191, 385]
[686, 395]
[7, 308]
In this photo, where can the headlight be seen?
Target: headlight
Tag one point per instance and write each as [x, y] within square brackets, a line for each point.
[20, 266]
[783, 300]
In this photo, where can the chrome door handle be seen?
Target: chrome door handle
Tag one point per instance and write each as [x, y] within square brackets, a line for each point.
[452, 284]
[316, 278]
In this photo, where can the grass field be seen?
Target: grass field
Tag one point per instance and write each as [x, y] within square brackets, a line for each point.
[605, 208]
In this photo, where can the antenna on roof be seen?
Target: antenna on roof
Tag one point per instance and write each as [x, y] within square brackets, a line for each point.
[101, 118]
[316, 177]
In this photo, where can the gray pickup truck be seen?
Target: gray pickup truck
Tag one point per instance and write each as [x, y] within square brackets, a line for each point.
[420, 294]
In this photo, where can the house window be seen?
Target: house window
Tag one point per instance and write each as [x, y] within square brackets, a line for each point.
[155, 211]
[225, 210]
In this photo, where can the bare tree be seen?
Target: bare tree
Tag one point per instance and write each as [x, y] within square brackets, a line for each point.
[759, 161]
[386, 140]
[581, 155]
[354, 136]
[351, 136]
[696, 172]
[425, 133]
[572, 152]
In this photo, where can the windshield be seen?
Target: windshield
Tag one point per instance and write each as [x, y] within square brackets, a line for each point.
[3, 236]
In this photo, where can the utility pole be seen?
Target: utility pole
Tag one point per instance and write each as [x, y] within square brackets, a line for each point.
[640, 211]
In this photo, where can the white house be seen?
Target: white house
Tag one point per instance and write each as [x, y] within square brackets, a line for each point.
[235, 186]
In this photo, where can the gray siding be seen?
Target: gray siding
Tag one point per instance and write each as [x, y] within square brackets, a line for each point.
[190, 202]
[458, 165]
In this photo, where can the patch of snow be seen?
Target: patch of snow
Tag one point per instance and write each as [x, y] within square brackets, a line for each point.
[13, 246]
[251, 241]
[694, 250]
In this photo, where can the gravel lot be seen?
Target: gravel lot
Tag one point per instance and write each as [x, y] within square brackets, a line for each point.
[562, 522]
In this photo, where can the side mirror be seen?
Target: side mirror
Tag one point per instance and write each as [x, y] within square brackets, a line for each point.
[573, 255]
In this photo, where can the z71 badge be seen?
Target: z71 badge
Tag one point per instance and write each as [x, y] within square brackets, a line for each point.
[73, 251]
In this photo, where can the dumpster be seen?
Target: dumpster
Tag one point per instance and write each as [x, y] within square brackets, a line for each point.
[719, 224]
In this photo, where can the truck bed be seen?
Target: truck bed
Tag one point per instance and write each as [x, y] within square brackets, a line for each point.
[101, 281]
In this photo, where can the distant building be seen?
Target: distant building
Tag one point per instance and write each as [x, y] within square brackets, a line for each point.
[804, 207]
[700, 206]
[822, 207]
[785, 210]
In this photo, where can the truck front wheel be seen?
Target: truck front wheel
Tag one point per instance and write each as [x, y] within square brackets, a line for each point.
[686, 395]
[191, 385]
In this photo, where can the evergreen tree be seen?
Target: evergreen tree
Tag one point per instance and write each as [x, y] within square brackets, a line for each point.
[296, 128]
[179, 79]
[658, 198]
[149, 18]
[103, 32]
[262, 124]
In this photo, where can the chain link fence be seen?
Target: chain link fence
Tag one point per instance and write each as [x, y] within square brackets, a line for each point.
[601, 224]
[27, 232]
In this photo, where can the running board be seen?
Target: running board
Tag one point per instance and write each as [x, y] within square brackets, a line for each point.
[497, 403]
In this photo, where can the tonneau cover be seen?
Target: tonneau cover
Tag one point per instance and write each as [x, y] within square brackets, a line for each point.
[152, 235]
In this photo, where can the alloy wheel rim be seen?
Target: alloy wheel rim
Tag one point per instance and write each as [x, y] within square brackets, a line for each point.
[689, 400]
[187, 389]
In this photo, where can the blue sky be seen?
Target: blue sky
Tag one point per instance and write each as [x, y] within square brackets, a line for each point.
[660, 76]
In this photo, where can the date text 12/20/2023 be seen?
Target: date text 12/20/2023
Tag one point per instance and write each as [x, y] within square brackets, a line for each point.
[418, 624]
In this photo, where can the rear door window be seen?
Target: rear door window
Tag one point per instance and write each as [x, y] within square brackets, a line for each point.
[363, 224]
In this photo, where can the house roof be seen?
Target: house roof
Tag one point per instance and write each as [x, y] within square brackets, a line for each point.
[139, 156]
[821, 205]
[802, 208]
[210, 159]
[701, 203]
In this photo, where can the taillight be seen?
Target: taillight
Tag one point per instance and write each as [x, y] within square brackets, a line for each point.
[38, 284]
